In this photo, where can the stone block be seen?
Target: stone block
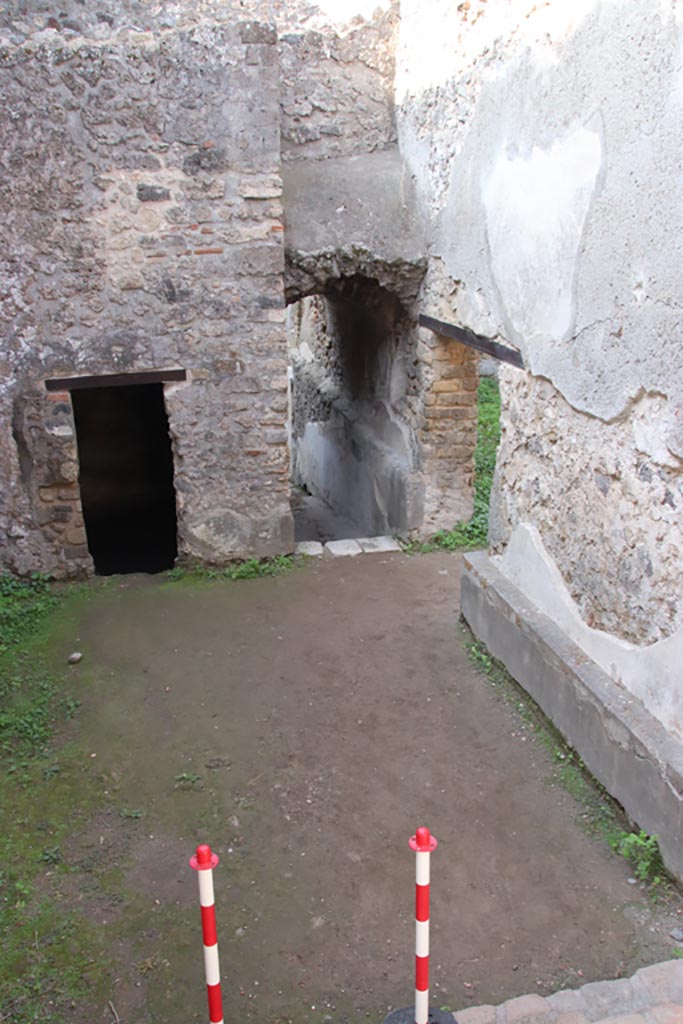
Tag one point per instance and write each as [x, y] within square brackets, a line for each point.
[609, 997]
[476, 1015]
[666, 1013]
[257, 32]
[76, 551]
[342, 548]
[572, 1018]
[663, 982]
[458, 372]
[312, 548]
[275, 436]
[437, 414]
[372, 545]
[625, 1018]
[451, 352]
[531, 1009]
[261, 187]
[450, 398]
[152, 194]
[568, 1000]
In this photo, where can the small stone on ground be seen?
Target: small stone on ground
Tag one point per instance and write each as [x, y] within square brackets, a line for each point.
[370, 545]
[342, 548]
[312, 548]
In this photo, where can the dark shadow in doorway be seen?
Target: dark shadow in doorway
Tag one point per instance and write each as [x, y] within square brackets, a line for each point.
[126, 477]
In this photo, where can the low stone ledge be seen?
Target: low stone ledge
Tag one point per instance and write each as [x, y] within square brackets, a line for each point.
[620, 742]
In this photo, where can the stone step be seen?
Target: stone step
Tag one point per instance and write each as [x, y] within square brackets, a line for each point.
[347, 548]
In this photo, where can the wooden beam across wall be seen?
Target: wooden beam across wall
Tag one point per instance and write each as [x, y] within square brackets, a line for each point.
[478, 341]
[114, 380]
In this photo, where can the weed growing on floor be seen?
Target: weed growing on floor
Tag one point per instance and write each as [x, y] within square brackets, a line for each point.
[642, 851]
[473, 534]
[23, 606]
[130, 815]
[187, 780]
[600, 814]
[250, 569]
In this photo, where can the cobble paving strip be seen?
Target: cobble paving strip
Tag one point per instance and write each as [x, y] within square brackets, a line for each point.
[654, 995]
[477, 1015]
[532, 1008]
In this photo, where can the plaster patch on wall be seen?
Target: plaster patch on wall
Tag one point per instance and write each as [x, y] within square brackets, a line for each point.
[536, 206]
[651, 673]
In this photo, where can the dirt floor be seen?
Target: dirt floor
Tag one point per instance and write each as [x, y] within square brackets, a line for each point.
[304, 726]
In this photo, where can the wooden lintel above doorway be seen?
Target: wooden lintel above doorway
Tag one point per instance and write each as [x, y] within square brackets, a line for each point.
[113, 380]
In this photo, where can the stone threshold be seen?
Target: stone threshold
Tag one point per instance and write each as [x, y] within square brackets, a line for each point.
[347, 548]
[654, 995]
[620, 742]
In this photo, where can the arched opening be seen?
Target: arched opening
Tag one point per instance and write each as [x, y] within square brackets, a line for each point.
[354, 453]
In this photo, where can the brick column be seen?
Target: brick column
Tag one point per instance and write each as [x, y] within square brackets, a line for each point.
[448, 431]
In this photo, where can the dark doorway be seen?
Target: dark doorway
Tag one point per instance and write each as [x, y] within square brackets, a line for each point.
[126, 477]
[352, 360]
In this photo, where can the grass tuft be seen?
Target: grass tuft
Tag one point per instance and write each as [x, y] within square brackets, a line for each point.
[249, 569]
[23, 606]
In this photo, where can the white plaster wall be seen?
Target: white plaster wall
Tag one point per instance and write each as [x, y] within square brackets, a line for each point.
[545, 144]
[564, 182]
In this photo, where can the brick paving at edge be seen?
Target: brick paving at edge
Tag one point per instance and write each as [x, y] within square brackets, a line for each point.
[654, 995]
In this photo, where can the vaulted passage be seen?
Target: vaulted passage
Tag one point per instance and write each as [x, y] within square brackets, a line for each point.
[352, 444]
[126, 477]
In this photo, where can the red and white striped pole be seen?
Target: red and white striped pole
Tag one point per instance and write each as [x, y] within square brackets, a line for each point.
[423, 843]
[203, 862]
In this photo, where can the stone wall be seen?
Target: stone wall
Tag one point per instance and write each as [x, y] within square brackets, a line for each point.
[142, 229]
[541, 142]
[337, 87]
[603, 506]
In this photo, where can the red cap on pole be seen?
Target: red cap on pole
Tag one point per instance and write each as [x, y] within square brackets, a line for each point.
[423, 841]
[203, 859]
